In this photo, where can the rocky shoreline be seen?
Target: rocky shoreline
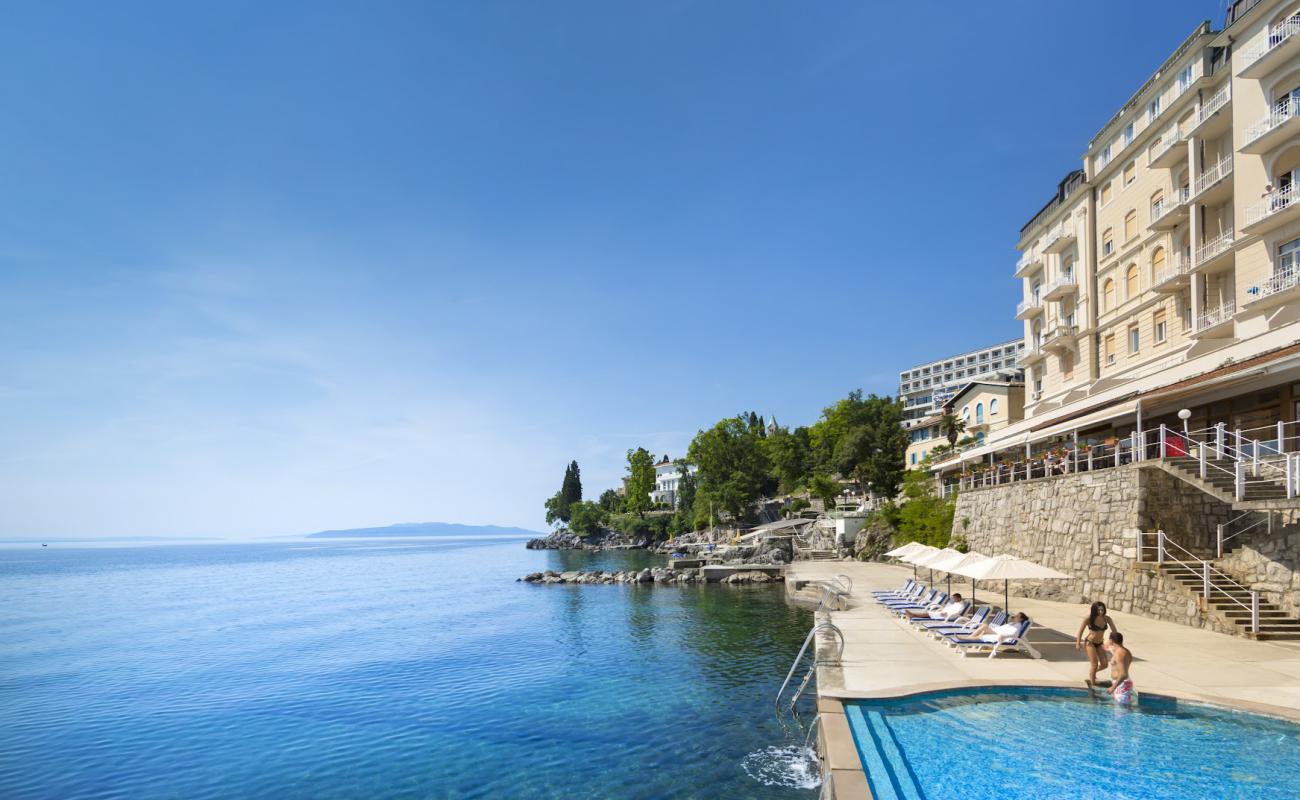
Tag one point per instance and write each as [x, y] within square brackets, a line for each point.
[649, 575]
[563, 539]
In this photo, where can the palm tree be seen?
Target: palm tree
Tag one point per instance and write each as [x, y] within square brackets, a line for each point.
[951, 426]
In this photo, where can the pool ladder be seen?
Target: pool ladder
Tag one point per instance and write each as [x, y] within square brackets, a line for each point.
[812, 668]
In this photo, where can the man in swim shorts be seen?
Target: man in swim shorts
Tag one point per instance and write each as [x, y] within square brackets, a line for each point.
[1121, 685]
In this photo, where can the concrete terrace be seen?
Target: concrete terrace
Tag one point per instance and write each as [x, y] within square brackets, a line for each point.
[884, 658]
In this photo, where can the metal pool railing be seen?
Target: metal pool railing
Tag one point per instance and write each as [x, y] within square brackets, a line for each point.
[812, 669]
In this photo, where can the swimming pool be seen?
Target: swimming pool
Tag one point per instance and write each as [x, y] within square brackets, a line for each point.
[1025, 742]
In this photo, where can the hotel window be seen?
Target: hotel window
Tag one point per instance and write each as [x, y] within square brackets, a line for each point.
[1128, 134]
[1288, 257]
[1153, 109]
[1157, 264]
[1130, 173]
[979, 413]
[1131, 282]
[1104, 156]
[1134, 340]
[1110, 349]
[1104, 197]
[1130, 225]
[1160, 327]
[1067, 366]
[993, 407]
[1185, 79]
[1107, 242]
[914, 459]
[1108, 295]
[1185, 304]
[1157, 200]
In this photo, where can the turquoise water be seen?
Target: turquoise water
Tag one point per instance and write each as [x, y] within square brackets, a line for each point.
[1037, 743]
[378, 669]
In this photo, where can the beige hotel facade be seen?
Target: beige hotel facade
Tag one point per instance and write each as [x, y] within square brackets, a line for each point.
[1164, 272]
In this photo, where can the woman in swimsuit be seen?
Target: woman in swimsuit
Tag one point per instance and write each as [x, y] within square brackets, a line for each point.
[1095, 625]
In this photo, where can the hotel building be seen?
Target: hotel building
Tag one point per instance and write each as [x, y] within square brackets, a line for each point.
[1163, 274]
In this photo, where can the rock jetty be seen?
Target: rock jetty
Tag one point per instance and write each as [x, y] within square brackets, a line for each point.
[649, 575]
[564, 539]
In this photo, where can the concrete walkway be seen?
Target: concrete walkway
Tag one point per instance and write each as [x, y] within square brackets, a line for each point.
[885, 658]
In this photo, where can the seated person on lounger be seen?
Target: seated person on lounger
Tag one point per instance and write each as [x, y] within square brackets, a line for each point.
[999, 633]
[954, 606]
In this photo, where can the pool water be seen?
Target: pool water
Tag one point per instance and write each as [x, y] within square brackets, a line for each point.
[1047, 743]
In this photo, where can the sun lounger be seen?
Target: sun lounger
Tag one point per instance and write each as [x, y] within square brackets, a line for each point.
[904, 589]
[916, 591]
[935, 600]
[1015, 642]
[947, 619]
[961, 625]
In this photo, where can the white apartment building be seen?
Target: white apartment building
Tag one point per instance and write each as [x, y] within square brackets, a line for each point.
[924, 389]
[1164, 275]
[668, 477]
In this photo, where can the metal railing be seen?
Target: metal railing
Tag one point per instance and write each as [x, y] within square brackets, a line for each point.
[1279, 282]
[1222, 528]
[1208, 109]
[1212, 579]
[1214, 247]
[812, 669]
[1213, 175]
[1030, 256]
[1273, 202]
[1277, 34]
[1167, 205]
[1282, 111]
[1216, 316]
[1179, 265]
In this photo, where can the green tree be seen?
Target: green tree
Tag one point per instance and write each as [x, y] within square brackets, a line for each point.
[824, 488]
[733, 469]
[790, 454]
[611, 501]
[951, 426]
[924, 516]
[586, 518]
[862, 439]
[683, 520]
[641, 481]
[571, 488]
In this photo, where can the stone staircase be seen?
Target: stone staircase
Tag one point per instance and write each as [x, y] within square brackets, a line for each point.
[1220, 483]
[1234, 605]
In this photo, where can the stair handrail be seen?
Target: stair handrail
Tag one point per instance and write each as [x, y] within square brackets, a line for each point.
[1208, 571]
[812, 634]
[1223, 526]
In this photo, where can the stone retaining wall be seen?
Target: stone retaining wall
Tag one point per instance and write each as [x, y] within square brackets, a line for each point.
[1086, 525]
[1271, 561]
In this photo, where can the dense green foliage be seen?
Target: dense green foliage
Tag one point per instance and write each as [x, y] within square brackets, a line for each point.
[586, 518]
[733, 468]
[951, 426]
[612, 501]
[559, 505]
[862, 439]
[789, 454]
[923, 516]
[641, 480]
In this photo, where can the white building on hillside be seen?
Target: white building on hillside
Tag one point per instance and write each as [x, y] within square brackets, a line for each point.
[668, 476]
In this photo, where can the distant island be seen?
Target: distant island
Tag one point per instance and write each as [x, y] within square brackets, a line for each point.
[426, 529]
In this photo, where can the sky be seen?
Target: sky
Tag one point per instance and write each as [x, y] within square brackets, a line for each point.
[272, 268]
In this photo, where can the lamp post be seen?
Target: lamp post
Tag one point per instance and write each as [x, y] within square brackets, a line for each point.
[1184, 415]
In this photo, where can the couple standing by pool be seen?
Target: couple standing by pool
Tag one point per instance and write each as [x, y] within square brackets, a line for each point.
[1092, 638]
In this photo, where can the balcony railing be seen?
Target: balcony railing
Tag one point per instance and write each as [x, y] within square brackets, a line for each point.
[1177, 266]
[1282, 111]
[1061, 286]
[1168, 140]
[1029, 257]
[1214, 247]
[1025, 306]
[1207, 109]
[1277, 35]
[1273, 202]
[1059, 235]
[1212, 175]
[1280, 282]
[1166, 205]
[1216, 316]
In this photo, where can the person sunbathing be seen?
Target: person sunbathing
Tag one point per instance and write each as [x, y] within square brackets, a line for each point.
[999, 633]
[956, 606]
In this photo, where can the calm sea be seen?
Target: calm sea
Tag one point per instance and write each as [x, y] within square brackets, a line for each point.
[382, 668]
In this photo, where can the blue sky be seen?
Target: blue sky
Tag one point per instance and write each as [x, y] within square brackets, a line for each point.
[274, 268]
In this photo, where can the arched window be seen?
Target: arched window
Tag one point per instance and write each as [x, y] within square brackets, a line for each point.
[979, 413]
[1037, 287]
[1067, 266]
[1157, 264]
[1157, 200]
[979, 438]
[1131, 282]
[993, 407]
[1130, 225]
[1108, 295]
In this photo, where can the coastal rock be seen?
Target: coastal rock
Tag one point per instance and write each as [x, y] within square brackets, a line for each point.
[604, 539]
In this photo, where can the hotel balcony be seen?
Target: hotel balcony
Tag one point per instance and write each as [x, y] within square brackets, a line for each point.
[1214, 255]
[1208, 122]
[1281, 288]
[1060, 338]
[1029, 262]
[1280, 124]
[1212, 186]
[1278, 207]
[1215, 323]
[1028, 309]
[1168, 212]
[1280, 47]
[1175, 276]
[1033, 354]
[1062, 287]
[1059, 238]
[1170, 152]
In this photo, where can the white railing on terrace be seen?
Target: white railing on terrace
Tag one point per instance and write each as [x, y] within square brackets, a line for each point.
[1168, 140]
[1029, 257]
[1216, 316]
[1026, 305]
[1214, 247]
[1213, 581]
[1272, 203]
[1213, 175]
[1217, 101]
[1181, 264]
[1062, 282]
[1276, 36]
[1065, 230]
[1282, 111]
[1165, 205]
[1280, 282]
